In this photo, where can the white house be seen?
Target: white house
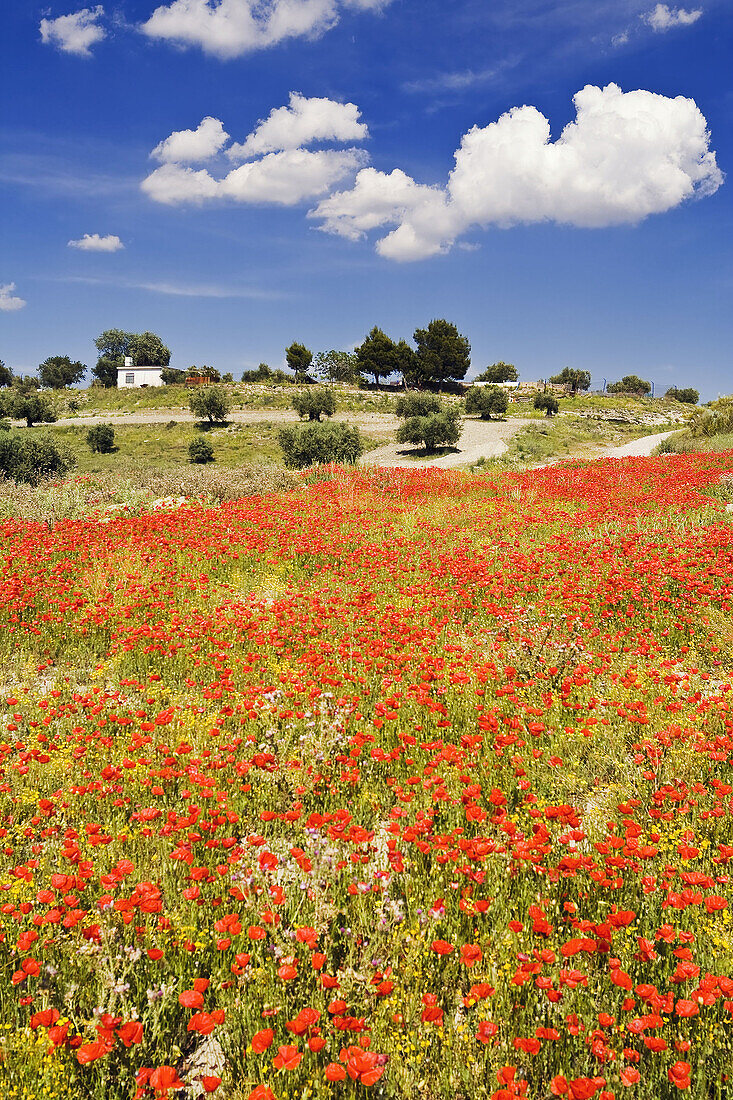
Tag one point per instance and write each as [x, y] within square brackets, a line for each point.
[128, 375]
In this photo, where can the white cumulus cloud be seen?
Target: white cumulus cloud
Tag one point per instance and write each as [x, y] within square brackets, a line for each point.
[9, 301]
[624, 157]
[173, 184]
[190, 146]
[74, 33]
[663, 18]
[92, 242]
[230, 28]
[291, 176]
[302, 122]
[280, 171]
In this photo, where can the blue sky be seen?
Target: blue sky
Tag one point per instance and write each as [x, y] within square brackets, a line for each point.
[415, 173]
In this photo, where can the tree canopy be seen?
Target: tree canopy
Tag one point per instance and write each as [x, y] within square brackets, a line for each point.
[487, 401]
[442, 354]
[687, 396]
[209, 404]
[6, 375]
[58, 371]
[630, 383]
[379, 356]
[336, 366]
[499, 372]
[298, 358]
[572, 377]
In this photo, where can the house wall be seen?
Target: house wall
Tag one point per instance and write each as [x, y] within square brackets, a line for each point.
[132, 377]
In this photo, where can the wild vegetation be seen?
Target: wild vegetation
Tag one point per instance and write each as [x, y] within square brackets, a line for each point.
[398, 784]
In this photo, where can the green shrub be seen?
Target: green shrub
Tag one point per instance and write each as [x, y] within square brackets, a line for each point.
[314, 401]
[316, 444]
[170, 376]
[630, 383]
[34, 408]
[209, 403]
[418, 404]
[101, 439]
[498, 372]
[200, 451]
[31, 458]
[687, 396]
[487, 401]
[547, 402]
[441, 429]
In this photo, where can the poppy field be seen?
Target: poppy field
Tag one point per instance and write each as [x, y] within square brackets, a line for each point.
[401, 784]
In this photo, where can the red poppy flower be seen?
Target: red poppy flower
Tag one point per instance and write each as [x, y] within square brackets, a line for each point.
[287, 1057]
[262, 1040]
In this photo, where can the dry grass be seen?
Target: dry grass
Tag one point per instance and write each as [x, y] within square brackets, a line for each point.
[139, 491]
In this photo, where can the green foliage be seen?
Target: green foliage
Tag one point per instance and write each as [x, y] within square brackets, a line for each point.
[378, 356]
[30, 459]
[439, 429]
[315, 444]
[499, 372]
[442, 354]
[25, 383]
[336, 366]
[148, 350]
[170, 376]
[58, 371]
[266, 374]
[299, 359]
[487, 401]
[101, 439]
[418, 404]
[686, 396]
[716, 419]
[209, 403]
[5, 425]
[228, 377]
[630, 383]
[548, 402]
[312, 402]
[114, 344]
[572, 377]
[34, 408]
[105, 372]
[200, 451]
[6, 375]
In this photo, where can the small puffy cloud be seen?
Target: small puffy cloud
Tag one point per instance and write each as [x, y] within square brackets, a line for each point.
[92, 242]
[230, 28]
[74, 33]
[624, 157]
[282, 172]
[191, 146]
[9, 302]
[302, 122]
[664, 18]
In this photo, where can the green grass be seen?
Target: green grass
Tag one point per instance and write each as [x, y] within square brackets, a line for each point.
[684, 444]
[614, 407]
[559, 436]
[97, 401]
[159, 446]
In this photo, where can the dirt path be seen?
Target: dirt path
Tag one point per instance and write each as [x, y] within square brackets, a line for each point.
[480, 438]
[638, 448]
